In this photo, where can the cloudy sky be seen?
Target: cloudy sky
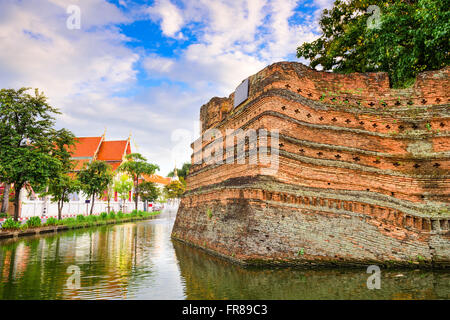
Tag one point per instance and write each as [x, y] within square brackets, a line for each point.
[146, 67]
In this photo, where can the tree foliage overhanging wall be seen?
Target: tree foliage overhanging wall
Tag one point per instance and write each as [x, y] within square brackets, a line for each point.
[402, 38]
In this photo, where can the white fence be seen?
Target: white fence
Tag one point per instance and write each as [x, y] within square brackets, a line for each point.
[49, 209]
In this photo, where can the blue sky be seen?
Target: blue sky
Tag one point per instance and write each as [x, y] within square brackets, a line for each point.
[146, 67]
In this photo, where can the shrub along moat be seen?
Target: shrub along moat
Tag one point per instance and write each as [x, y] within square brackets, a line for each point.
[34, 225]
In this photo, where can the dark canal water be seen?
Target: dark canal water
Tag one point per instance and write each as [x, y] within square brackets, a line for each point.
[140, 261]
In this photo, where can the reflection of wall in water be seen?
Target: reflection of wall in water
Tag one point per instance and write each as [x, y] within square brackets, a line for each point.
[209, 277]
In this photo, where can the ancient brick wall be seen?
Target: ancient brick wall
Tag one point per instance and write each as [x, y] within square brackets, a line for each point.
[363, 171]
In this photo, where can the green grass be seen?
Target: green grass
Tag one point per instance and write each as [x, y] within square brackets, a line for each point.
[33, 222]
[209, 213]
[80, 220]
[51, 222]
[10, 224]
[104, 218]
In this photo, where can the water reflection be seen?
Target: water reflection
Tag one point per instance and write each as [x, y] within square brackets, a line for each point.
[139, 261]
[127, 261]
[209, 277]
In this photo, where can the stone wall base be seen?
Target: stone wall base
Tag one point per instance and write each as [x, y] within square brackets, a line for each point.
[235, 223]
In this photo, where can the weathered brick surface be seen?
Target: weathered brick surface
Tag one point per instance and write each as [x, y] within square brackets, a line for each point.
[363, 172]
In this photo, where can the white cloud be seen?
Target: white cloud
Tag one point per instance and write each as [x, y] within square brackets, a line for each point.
[170, 16]
[81, 71]
[41, 52]
[94, 13]
[91, 74]
[235, 39]
[158, 64]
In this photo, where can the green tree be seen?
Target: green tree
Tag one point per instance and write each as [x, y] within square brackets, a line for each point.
[408, 38]
[123, 186]
[27, 141]
[61, 186]
[175, 189]
[109, 195]
[149, 191]
[136, 166]
[60, 189]
[183, 182]
[182, 172]
[95, 177]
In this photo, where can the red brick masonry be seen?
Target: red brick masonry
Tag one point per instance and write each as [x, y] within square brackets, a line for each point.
[363, 173]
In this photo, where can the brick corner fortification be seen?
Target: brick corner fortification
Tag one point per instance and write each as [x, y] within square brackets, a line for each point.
[363, 173]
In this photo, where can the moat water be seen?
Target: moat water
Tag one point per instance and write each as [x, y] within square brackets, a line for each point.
[140, 261]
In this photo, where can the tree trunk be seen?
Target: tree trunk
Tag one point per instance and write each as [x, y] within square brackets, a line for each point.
[18, 189]
[136, 192]
[109, 208]
[5, 202]
[60, 207]
[92, 206]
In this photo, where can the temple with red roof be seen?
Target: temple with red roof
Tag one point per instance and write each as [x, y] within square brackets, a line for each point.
[84, 151]
[88, 149]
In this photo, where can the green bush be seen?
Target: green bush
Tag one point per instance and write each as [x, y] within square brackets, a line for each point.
[91, 220]
[10, 224]
[69, 221]
[134, 213]
[3, 215]
[80, 218]
[103, 215]
[111, 215]
[120, 215]
[51, 221]
[34, 222]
